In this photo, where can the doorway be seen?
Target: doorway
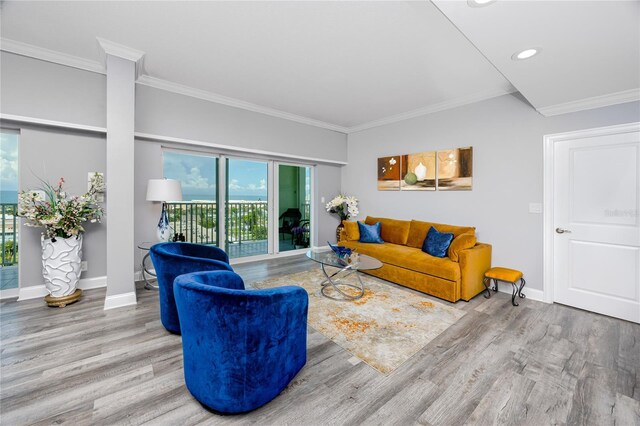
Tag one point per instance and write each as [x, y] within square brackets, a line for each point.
[592, 222]
[294, 207]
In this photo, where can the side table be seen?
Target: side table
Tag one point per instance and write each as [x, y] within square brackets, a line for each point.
[146, 273]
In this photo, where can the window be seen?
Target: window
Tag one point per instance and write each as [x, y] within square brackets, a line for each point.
[266, 210]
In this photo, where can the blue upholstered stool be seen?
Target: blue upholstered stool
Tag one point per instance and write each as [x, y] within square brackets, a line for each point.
[241, 348]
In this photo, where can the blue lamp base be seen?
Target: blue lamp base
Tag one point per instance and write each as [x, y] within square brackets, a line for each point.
[164, 231]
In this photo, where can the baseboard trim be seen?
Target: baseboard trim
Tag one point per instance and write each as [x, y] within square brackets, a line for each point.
[38, 291]
[91, 283]
[9, 293]
[32, 292]
[531, 293]
[120, 300]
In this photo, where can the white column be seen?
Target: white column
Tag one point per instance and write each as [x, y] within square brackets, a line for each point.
[121, 75]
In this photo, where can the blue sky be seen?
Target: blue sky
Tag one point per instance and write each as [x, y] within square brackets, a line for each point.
[198, 176]
[8, 162]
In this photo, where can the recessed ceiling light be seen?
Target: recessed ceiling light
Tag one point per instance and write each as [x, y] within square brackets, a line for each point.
[526, 53]
[479, 3]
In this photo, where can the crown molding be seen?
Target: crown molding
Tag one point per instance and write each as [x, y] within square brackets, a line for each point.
[441, 106]
[119, 50]
[236, 103]
[235, 149]
[51, 123]
[48, 55]
[631, 95]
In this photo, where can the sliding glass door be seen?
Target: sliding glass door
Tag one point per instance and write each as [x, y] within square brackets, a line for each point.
[247, 207]
[294, 207]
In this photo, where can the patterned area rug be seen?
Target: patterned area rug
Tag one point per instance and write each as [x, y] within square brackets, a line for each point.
[384, 328]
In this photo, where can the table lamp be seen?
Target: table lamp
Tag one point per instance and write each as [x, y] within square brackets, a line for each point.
[164, 190]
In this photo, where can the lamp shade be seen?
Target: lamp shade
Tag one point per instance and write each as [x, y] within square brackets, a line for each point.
[164, 190]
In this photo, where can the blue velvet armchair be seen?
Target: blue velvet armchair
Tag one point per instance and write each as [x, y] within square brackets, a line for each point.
[241, 347]
[173, 259]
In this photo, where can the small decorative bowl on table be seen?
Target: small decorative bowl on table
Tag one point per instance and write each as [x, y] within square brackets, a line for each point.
[345, 255]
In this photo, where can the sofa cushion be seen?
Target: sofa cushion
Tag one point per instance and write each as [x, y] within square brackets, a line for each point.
[370, 233]
[437, 243]
[409, 258]
[352, 230]
[393, 230]
[459, 243]
[418, 231]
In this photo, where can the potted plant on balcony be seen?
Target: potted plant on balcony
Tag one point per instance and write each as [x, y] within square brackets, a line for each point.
[301, 235]
[345, 207]
[62, 217]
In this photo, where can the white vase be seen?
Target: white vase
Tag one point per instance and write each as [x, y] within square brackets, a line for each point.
[421, 172]
[61, 264]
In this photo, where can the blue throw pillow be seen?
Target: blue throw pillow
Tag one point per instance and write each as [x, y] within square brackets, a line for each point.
[370, 233]
[437, 243]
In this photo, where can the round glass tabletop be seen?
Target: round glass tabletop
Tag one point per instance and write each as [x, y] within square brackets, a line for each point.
[329, 258]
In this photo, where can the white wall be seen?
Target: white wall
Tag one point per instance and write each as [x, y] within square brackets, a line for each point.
[50, 155]
[507, 138]
[169, 114]
[35, 88]
[44, 90]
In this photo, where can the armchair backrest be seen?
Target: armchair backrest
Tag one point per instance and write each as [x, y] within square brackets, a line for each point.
[173, 259]
[241, 347]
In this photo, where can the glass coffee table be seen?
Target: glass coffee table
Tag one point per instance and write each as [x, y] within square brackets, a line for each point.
[335, 280]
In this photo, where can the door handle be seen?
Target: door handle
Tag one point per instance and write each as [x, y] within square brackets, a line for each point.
[562, 231]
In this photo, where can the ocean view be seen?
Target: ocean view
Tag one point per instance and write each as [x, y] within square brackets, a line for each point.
[8, 197]
[232, 197]
[11, 197]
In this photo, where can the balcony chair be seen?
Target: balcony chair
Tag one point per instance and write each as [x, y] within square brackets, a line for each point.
[173, 259]
[241, 348]
[290, 219]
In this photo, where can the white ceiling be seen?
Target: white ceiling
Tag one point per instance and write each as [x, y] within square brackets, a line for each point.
[352, 63]
[589, 48]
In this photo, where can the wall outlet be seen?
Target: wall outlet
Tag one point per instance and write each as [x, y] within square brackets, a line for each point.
[84, 266]
[322, 199]
[535, 207]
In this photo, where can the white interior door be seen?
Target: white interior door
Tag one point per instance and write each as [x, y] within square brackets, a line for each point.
[596, 242]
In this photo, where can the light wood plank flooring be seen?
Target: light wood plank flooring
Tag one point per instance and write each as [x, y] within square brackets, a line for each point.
[535, 364]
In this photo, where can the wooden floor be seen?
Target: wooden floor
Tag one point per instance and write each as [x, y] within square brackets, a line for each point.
[536, 364]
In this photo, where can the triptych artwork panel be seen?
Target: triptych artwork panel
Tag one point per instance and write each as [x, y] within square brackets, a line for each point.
[446, 170]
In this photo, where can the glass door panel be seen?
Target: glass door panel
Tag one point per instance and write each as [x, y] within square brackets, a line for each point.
[195, 218]
[294, 207]
[247, 207]
[9, 223]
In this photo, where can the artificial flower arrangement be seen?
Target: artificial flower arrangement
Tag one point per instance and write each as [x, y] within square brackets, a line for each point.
[344, 206]
[58, 213]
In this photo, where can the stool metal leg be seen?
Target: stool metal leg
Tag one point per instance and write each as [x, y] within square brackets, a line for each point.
[487, 281]
[513, 295]
[495, 285]
[517, 290]
[520, 293]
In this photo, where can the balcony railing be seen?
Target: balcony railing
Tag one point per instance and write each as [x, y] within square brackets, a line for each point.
[198, 221]
[9, 234]
[246, 221]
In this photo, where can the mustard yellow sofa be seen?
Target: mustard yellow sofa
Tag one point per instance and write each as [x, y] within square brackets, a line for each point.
[457, 276]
